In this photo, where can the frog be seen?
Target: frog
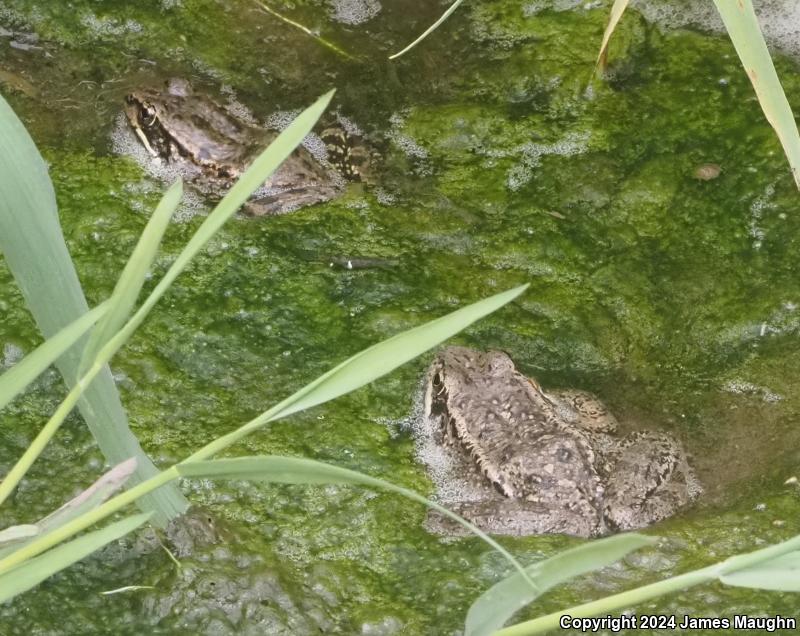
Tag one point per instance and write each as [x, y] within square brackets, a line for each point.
[515, 459]
[179, 126]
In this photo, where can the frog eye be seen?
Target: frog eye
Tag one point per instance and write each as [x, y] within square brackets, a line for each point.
[148, 115]
[437, 380]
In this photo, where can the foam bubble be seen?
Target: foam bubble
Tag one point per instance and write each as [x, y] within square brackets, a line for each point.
[531, 156]
[748, 388]
[11, 355]
[281, 119]
[779, 19]
[235, 107]
[757, 208]
[441, 460]
[349, 126]
[354, 11]
[532, 8]
[109, 26]
[407, 144]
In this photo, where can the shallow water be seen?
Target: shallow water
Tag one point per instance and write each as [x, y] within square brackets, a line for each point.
[675, 299]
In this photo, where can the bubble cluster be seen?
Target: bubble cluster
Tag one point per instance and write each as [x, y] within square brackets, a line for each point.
[349, 126]
[742, 387]
[235, 107]
[779, 19]
[440, 460]
[11, 355]
[110, 27]
[757, 208]
[281, 119]
[408, 145]
[532, 8]
[531, 156]
[354, 11]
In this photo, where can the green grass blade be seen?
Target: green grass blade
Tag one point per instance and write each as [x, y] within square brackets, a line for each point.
[614, 17]
[133, 276]
[36, 570]
[378, 360]
[258, 172]
[91, 498]
[500, 602]
[444, 327]
[309, 32]
[742, 25]
[781, 573]
[297, 470]
[254, 176]
[14, 381]
[15, 534]
[88, 500]
[616, 602]
[366, 366]
[264, 165]
[53, 538]
[34, 250]
[429, 30]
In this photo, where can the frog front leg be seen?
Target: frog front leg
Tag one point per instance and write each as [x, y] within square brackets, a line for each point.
[650, 480]
[289, 200]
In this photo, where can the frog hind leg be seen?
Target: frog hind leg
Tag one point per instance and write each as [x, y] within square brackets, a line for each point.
[650, 481]
[347, 153]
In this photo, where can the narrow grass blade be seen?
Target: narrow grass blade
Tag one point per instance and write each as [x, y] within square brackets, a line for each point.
[258, 172]
[500, 602]
[86, 501]
[629, 598]
[15, 534]
[263, 166]
[254, 176]
[742, 25]
[443, 328]
[297, 470]
[93, 496]
[36, 570]
[14, 381]
[380, 359]
[133, 276]
[429, 30]
[36, 254]
[127, 588]
[781, 573]
[614, 17]
[306, 30]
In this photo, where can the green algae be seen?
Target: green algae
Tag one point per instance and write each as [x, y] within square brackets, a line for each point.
[674, 299]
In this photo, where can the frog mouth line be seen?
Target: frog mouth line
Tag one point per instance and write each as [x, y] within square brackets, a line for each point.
[145, 142]
[459, 432]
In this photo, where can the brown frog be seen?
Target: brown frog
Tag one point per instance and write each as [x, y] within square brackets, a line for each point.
[519, 460]
[179, 126]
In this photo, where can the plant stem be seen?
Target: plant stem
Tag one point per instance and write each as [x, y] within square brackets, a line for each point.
[611, 603]
[61, 533]
[632, 597]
